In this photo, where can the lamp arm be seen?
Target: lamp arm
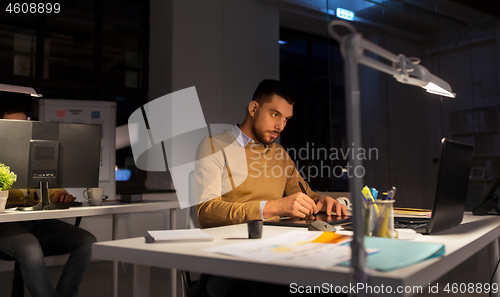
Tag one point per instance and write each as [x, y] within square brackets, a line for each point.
[400, 64]
[403, 69]
[382, 67]
[382, 52]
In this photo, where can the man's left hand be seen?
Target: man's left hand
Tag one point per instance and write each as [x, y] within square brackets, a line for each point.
[328, 204]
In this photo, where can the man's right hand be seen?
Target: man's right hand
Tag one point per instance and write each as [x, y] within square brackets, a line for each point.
[296, 205]
[62, 196]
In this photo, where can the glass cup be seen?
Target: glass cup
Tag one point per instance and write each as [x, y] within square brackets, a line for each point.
[255, 229]
[379, 218]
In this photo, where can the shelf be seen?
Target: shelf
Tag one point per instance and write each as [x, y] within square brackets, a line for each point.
[484, 132]
[480, 181]
[475, 122]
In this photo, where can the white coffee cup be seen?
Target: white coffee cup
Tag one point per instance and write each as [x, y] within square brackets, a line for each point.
[95, 196]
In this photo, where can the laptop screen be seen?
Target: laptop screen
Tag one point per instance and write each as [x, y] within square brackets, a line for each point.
[451, 187]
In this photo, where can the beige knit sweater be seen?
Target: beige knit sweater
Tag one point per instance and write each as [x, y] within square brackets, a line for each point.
[231, 181]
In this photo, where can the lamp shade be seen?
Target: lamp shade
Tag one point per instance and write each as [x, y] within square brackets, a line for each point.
[420, 76]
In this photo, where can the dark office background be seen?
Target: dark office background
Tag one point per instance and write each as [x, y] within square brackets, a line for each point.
[90, 50]
[100, 50]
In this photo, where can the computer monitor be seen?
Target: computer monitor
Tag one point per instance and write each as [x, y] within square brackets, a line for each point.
[63, 155]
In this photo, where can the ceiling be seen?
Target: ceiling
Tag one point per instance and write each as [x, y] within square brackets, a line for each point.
[418, 20]
[489, 7]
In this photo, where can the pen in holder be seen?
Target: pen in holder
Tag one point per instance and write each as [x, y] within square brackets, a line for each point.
[379, 218]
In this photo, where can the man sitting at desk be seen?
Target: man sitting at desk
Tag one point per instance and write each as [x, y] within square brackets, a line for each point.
[29, 241]
[269, 175]
[242, 175]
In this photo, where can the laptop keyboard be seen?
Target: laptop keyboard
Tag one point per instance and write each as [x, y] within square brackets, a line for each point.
[411, 226]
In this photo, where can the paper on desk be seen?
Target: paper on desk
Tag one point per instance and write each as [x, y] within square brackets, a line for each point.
[300, 248]
[413, 212]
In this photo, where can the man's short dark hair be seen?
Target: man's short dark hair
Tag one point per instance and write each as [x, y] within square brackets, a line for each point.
[269, 87]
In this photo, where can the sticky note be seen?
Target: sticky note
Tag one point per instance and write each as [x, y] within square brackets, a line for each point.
[61, 113]
[96, 115]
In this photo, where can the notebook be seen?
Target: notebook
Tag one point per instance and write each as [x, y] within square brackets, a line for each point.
[186, 235]
[395, 254]
[451, 188]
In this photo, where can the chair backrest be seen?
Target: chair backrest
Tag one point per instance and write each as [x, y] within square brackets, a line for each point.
[191, 216]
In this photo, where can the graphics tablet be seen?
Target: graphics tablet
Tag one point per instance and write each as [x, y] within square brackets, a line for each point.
[298, 222]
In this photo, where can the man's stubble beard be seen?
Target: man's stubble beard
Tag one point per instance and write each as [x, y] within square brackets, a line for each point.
[260, 135]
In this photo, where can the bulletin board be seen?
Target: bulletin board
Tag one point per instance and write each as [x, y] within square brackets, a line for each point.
[89, 112]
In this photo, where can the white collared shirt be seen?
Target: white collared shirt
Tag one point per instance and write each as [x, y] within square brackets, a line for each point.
[241, 137]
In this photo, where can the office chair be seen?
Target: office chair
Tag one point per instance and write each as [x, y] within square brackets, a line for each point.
[17, 280]
[197, 288]
[193, 288]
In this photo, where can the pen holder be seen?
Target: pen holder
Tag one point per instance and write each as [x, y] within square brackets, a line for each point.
[379, 218]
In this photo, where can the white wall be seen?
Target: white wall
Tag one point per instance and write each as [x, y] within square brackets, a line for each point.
[224, 48]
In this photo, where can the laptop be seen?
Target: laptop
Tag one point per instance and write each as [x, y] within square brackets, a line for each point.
[451, 189]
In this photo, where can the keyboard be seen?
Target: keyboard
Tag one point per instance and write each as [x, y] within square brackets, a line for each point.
[411, 226]
[419, 225]
[66, 205]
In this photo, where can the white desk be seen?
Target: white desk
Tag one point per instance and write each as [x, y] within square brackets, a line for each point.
[461, 242]
[85, 211]
[114, 210]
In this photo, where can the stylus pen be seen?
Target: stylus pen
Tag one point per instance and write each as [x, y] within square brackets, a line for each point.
[390, 195]
[393, 190]
[304, 191]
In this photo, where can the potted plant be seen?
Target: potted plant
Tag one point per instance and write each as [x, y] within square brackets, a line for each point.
[7, 178]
